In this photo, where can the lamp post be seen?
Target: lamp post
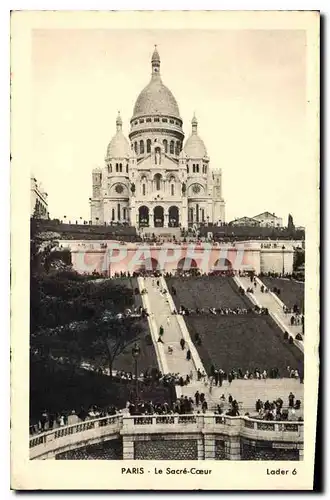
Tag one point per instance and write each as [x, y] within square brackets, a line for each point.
[136, 353]
[283, 248]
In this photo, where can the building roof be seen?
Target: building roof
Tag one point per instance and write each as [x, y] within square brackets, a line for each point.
[118, 146]
[194, 146]
[156, 98]
[266, 214]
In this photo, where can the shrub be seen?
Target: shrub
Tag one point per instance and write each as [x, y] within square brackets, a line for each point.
[286, 335]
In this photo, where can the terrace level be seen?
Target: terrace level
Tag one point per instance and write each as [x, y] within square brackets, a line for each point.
[172, 437]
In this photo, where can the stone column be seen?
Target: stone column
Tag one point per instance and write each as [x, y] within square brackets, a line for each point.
[209, 447]
[200, 449]
[128, 448]
[151, 217]
[234, 448]
[166, 216]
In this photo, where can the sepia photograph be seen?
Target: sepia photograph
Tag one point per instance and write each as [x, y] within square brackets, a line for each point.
[167, 169]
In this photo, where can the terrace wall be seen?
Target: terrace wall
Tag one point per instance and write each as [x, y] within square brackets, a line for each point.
[172, 437]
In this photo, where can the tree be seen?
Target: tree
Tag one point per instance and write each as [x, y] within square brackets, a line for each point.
[109, 338]
[291, 226]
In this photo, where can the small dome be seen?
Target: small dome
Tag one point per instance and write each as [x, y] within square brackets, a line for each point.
[97, 170]
[194, 146]
[119, 146]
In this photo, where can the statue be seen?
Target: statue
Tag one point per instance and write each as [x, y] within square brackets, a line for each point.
[157, 159]
[184, 188]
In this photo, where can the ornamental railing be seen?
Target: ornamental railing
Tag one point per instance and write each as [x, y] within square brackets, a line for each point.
[74, 436]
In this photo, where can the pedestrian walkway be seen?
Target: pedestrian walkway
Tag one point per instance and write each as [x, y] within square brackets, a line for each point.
[161, 315]
[246, 392]
[268, 301]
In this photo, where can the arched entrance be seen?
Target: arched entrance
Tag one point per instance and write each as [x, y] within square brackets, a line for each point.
[222, 265]
[173, 216]
[150, 266]
[158, 216]
[187, 265]
[143, 216]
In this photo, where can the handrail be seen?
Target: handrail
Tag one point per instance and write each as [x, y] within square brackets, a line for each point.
[131, 421]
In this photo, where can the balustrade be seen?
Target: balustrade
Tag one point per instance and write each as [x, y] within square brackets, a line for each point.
[117, 423]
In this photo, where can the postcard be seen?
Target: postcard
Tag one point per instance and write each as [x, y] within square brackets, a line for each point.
[165, 250]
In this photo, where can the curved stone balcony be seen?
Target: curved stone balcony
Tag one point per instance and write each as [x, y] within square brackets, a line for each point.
[204, 429]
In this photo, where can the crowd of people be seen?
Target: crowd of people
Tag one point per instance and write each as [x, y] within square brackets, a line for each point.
[275, 411]
[223, 311]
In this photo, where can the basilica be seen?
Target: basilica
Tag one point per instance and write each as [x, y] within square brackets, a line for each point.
[156, 179]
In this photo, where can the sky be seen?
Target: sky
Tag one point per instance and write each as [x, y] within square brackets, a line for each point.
[247, 88]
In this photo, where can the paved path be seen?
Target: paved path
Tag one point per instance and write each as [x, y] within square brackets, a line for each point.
[246, 392]
[161, 313]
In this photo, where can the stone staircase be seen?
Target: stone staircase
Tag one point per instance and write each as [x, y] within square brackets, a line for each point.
[163, 232]
[274, 306]
[160, 313]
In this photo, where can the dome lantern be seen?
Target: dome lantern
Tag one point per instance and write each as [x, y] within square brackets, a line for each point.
[155, 62]
[194, 124]
[119, 122]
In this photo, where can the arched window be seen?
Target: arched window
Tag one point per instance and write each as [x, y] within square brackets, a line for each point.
[109, 168]
[135, 147]
[120, 167]
[165, 145]
[191, 215]
[118, 211]
[157, 181]
[197, 213]
[177, 148]
[113, 214]
[197, 168]
[148, 145]
[203, 215]
[127, 169]
[171, 147]
[194, 168]
[141, 147]
[143, 189]
[172, 189]
[124, 213]
[187, 170]
[117, 167]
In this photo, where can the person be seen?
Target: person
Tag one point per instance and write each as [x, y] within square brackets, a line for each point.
[210, 386]
[170, 349]
[291, 400]
[197, 398]
[160, 340]
[182, 343]
[204, 406]
[161, 331]
[230, 399]
[168, 320]
[43, 420]
[202, 397]
[188, 355]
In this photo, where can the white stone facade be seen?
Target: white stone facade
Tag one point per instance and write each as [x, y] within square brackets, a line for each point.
[156, 180]
[39, 200]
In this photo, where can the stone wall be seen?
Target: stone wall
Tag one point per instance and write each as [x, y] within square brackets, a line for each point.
[266, 450]
[159, 448]
[106, 450]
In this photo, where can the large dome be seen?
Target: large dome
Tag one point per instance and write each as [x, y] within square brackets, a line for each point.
[119, 146]
[194, 146]
[156, 98]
